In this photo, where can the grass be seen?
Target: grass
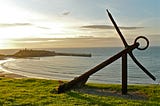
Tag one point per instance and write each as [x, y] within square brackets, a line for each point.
[40, 92]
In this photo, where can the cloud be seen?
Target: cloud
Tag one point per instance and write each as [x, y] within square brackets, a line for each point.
[66, 13]
[20, 24]
[14, 24]
[42, 27]
[108, 27]
[85, 36]
[34, 40]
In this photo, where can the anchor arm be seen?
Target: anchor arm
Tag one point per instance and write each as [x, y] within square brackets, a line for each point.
[140, 65]
[117, 29]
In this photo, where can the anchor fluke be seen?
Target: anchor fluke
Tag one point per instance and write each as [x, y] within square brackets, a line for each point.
[143, 68]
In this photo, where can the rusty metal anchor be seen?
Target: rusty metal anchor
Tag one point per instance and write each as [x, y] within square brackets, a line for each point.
[82, 79]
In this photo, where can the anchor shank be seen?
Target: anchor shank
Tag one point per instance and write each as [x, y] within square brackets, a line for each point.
[124, 74]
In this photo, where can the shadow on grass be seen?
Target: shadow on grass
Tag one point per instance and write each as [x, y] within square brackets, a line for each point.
[113, 93]
[90, 100]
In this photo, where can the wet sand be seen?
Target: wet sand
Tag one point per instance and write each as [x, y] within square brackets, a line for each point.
[10, 75]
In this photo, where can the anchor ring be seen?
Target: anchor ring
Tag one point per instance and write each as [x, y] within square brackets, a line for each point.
[144, 39]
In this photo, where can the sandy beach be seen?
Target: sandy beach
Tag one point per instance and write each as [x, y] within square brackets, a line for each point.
[10, 75]
[7, 74]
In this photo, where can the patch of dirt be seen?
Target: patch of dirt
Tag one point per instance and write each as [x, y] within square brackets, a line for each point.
[106, 92]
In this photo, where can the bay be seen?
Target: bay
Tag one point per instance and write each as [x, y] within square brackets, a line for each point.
[67, 67]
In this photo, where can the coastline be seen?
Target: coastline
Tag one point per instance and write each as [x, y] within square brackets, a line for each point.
[10, 75]
[6, 74]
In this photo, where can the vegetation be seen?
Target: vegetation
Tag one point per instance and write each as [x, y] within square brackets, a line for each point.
[33, 53]
[35, 92]
[25, 53]
[2, 56]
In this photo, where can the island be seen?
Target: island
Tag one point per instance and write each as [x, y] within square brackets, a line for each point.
[25, 53]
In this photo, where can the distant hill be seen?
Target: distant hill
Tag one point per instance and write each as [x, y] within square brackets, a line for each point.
[33, 53]
[39, 53]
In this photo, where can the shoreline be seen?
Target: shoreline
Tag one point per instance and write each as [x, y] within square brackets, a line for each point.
[6, 74]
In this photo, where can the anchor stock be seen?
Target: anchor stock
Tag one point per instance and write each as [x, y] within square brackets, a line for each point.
[81, 80]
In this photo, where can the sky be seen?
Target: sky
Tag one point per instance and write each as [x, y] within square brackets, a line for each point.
[76, 23]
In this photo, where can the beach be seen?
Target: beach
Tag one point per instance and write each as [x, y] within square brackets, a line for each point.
[4, 74]
[7, 74]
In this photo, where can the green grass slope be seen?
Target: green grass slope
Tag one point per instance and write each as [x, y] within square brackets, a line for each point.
[40, 92]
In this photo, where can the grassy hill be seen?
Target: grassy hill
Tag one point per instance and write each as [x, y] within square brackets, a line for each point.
[40, 92]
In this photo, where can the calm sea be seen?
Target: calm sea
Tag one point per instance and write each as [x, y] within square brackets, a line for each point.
[66, 67]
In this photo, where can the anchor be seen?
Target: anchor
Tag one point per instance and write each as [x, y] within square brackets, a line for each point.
[82, 79]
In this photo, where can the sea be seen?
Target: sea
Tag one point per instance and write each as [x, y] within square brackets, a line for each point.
[69, 67]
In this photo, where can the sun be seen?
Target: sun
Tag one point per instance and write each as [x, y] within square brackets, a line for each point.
[38, 25]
